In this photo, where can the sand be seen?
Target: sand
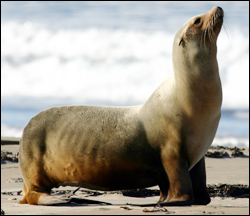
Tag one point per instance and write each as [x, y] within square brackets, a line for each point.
[219, 171]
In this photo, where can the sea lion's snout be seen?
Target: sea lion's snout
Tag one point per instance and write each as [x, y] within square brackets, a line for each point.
[214, 22]
[218, 11]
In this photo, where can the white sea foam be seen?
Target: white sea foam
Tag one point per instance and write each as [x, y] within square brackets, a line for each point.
[233, 59]
[231, 141]
[116, 66]
[241, 114]
[61, 53]
[7, 131]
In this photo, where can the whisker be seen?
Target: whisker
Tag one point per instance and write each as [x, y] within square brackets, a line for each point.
[227, 28]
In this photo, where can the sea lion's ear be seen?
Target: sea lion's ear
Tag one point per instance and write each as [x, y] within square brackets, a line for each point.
[181, 41]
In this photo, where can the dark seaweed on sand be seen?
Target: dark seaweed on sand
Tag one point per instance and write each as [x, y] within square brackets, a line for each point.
[220, 190]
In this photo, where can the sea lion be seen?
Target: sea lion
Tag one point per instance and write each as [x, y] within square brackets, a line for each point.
[162, 142]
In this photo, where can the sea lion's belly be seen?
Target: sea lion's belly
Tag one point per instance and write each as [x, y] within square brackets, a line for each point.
[108, 153]
[104, 171]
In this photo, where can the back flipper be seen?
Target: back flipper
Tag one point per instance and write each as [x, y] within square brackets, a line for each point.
[40, 198]
[45, 199]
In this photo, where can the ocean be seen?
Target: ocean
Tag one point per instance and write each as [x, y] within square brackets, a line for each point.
[113, 54]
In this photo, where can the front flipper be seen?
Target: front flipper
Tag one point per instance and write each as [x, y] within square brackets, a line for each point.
[195, 181]
[198, 178]
[175, 184]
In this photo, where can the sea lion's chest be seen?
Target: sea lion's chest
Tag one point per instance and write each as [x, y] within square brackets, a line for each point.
[198, 137]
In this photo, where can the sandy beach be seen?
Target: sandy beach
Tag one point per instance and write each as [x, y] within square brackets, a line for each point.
[230, 170]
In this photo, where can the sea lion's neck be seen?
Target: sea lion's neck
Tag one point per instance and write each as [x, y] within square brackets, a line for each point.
[193, 77]
[199, 87]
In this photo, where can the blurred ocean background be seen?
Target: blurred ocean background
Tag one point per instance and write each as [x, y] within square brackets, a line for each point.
[114, 54]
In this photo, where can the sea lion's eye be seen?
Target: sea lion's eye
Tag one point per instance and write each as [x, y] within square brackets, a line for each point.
[197, 21]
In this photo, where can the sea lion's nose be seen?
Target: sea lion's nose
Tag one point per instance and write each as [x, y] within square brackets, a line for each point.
[219, 11]
[219, 8]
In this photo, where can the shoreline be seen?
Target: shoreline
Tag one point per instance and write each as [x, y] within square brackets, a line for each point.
[10, 140]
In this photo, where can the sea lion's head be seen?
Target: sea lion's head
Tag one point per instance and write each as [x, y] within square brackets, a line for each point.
[196, 39]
